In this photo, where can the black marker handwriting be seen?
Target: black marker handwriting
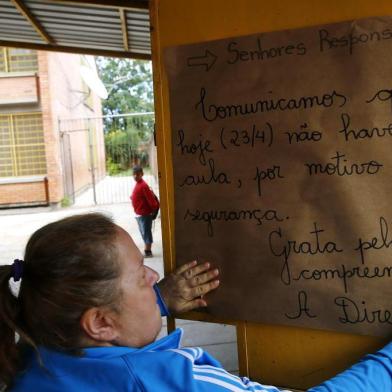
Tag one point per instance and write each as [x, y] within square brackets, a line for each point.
[214, 111]
[284, 249]
[213, 177]
[354, 313]
[375, 243]
[201, 147]
[303, 308]
[229, 215]
[341, 167]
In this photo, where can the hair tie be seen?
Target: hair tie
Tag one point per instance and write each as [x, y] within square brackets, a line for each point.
[17, 270]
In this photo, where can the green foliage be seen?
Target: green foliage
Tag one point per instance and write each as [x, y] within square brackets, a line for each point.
[124, 149]
[112, 168]
[129, 84]
[66, 201]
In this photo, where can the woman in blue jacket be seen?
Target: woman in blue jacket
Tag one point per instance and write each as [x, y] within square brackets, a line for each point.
[88, 313]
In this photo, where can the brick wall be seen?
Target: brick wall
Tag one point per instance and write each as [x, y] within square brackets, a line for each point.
[32, 193]
[60, 86]
[51, 135]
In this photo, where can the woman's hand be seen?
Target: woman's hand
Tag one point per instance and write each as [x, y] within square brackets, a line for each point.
[183, 289]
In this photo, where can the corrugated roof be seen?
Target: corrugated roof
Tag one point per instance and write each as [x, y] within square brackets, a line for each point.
[118, 28]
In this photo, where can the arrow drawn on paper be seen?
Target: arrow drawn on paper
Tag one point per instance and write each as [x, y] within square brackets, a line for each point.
[207, 60]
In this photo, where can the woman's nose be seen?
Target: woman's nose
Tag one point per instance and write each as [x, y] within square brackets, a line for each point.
[152, 276]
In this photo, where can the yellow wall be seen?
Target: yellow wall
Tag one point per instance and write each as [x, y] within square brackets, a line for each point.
[293, 357]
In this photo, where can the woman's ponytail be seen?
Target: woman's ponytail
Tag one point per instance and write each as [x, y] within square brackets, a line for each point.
[9, 315]
[61, 279]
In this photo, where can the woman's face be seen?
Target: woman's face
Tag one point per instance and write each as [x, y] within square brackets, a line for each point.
[139, 320]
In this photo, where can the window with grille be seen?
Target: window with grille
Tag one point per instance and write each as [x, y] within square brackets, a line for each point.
[18, 60]
[22, 147]
[2, 60]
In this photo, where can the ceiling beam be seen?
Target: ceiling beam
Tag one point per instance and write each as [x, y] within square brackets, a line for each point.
[124, 28]
[33, 21]
[79, 50]
[127, 4]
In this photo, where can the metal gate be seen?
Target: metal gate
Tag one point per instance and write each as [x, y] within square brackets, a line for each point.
[98, 155]
[66, 151]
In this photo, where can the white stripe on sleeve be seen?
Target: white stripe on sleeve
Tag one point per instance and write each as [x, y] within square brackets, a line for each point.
[183, 353]
[219, 373]
[231, 387]
[196, 352]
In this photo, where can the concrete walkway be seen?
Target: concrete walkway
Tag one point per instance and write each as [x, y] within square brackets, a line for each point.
[16, 226]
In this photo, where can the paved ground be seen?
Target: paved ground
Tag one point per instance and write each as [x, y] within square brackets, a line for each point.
[17, 225]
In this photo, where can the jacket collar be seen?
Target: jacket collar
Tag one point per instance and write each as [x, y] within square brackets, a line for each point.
[173, 340]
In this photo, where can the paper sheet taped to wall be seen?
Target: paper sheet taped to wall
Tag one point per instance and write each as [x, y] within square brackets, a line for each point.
[282, 154]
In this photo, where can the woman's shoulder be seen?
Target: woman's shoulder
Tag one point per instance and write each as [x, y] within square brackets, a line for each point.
[58, 371]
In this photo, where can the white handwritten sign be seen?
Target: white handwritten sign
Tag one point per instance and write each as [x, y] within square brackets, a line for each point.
[282, 154]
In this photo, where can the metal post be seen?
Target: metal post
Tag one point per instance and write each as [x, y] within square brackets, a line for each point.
[66, 162]
[46, 185]
[6, 60]
[68, 136]
[92, 168]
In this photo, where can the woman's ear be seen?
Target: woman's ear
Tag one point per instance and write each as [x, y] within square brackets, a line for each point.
[99, 325]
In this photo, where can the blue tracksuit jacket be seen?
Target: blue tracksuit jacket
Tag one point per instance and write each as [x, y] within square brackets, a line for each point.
[165, 366]
[162, 366]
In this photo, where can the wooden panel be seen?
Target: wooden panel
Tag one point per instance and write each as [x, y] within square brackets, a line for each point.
[300, 358]
[292, 357]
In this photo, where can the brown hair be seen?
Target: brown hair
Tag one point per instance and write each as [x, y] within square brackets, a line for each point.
[70, 266]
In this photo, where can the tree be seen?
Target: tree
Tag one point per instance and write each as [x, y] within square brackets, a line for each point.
[130, 90]
[129, 84]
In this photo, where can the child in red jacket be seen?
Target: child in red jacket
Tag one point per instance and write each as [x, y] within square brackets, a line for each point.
[145, 205]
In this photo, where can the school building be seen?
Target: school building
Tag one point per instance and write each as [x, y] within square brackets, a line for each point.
[40, 163]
